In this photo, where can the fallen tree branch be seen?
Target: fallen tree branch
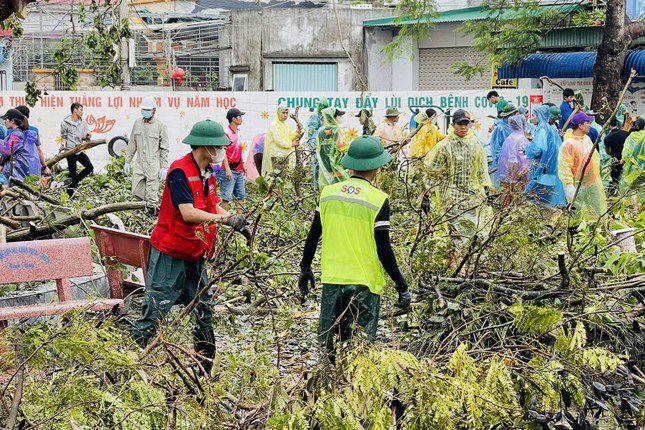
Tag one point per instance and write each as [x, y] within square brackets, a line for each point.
[82, 147]
[17, 395]
[12, 224]
[30, 190]
[38, 231]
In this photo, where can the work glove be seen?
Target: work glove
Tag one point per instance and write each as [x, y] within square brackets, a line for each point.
[306, 277]
[126, 169]
[425, 205]
[163, 172]
[241, 225]
[570, 191]
[404, 299]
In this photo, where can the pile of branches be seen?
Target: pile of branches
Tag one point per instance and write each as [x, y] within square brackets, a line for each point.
[35, 209]
[525, 327]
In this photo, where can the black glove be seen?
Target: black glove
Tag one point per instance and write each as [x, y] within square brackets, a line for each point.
[491, 199]
[306, 277]
[425, 204]
[241, 225]
[404, 299]
[237, 221]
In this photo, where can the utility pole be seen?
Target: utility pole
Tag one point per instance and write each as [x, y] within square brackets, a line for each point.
[124, 55]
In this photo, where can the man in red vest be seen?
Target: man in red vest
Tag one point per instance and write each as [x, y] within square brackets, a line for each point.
[185, 233]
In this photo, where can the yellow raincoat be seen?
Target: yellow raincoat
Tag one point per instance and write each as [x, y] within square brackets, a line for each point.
[457, 169]
[425, 139]
[591, 201]
[278, 145]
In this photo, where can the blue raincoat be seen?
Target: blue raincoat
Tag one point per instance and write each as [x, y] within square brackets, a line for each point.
[545, 185]
[500, 133]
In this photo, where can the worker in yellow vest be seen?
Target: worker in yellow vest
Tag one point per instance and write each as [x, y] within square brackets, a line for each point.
[353, 219]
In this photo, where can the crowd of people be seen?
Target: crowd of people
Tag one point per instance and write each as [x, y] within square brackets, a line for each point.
[556, 156]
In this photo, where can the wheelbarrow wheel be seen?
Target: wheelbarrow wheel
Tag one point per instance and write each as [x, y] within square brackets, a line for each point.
[117, 146]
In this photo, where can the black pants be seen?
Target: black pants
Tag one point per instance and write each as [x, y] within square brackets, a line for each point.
[257, 159]
[88, 168]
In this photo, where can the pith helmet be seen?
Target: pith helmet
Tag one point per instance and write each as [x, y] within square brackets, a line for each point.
[509, 110]
[365, 153]
[554, 112]
[207, 133]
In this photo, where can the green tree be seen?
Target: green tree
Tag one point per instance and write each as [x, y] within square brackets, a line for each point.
[515, 28]
[102, 41]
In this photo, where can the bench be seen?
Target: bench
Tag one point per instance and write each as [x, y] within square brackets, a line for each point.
[121, 247]
[44, 260]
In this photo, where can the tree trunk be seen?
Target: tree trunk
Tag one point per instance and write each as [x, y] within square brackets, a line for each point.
[617, 35]
[8, 7]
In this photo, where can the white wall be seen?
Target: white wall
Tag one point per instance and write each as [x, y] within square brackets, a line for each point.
[379, 68]
[405, 68]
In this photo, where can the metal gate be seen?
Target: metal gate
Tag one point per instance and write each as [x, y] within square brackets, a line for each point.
[436, 73]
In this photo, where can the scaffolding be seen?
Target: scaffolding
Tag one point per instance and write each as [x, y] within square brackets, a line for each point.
[193, 46]
[170, 40]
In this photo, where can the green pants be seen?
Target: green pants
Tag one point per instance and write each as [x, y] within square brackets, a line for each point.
[170, 279]
[339, 307]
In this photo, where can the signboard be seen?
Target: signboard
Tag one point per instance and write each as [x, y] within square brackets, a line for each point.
[496, 82]
[112, 113]
[634, 101]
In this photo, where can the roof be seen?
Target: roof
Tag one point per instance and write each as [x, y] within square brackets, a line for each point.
[568, 65]
[457, 15]
[201, 5]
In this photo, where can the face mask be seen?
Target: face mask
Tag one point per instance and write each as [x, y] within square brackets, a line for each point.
[146, 114]
[218, 156]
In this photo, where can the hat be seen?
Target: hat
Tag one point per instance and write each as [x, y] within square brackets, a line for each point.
[554, 112]
[13, 114]
[282, 107]
[367, 113]
[207, 133]
[509, 110]
[365, 153]
[421, 117]
[148, 103]
[339, 112]
[24, 110]
[461, 115]
[233, 113]
[581, 117]
[523, 110]
[639, 124]
[392, 112]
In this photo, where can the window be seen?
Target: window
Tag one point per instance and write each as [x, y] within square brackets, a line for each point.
[240, 82]
[300, 76]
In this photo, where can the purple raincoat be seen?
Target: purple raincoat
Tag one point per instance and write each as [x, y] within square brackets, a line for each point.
[512, 165]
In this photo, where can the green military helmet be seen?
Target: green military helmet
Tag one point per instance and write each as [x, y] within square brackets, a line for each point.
[365, 153]
[207, 133]
[389, 112]
[554, 112]
[508, 110]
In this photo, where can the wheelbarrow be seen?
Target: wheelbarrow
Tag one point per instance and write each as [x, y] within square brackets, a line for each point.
[117, 248]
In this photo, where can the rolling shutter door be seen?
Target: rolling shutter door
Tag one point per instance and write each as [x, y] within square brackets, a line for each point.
[288, 76]
[435, 69]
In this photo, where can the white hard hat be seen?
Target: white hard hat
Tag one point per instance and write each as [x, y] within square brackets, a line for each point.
[148, 103]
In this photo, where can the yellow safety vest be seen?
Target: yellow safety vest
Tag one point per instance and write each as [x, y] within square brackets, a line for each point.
[347, 212]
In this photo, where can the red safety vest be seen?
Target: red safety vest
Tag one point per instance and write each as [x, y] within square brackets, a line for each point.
[172, 235]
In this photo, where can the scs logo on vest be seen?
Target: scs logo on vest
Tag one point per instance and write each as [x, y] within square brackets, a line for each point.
[350, 189]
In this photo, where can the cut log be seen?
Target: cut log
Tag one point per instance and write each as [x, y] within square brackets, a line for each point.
[41, 230]
[82, 147]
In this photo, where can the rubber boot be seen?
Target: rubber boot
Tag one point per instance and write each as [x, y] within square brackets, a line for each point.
[205, 346]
